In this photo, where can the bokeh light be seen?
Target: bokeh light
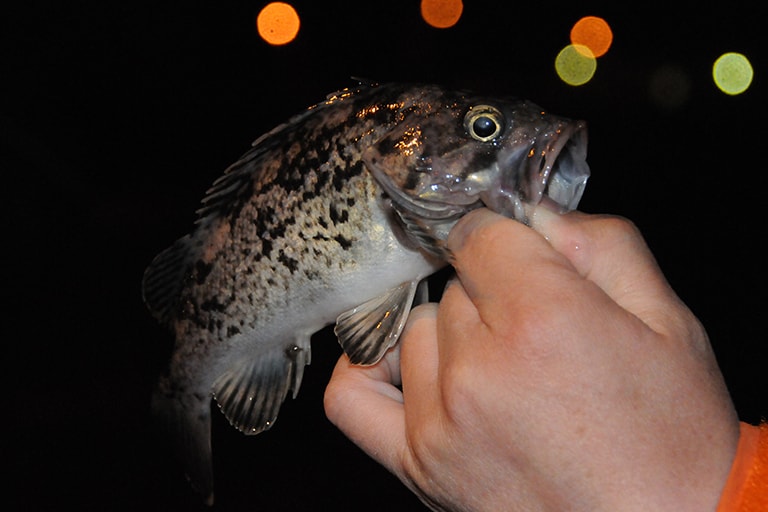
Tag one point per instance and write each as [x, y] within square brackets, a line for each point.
[594, 33]
[732, 73]
[575, 64]
[278, 23]
[441, 13]
[669, 86]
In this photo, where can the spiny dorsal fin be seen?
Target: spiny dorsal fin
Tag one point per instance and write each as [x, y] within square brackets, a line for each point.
[369, 330]
[241, 175]
[251, 392]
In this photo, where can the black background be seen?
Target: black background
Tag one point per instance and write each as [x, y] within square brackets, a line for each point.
[116, 116]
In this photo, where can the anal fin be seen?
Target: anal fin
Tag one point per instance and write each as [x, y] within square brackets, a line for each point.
[367, 331]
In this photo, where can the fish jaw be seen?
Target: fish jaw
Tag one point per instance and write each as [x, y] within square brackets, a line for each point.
[551, 167]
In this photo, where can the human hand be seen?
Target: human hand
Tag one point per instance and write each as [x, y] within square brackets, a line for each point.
[558, 372]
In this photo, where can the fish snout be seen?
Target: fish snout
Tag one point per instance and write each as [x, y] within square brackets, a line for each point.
[550, 167]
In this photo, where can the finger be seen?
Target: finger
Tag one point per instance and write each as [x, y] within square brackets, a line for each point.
[364, 404]
[501, 262]
[611, 252]
[419, 361]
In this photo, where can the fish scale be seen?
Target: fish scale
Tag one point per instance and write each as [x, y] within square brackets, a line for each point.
[336, 215]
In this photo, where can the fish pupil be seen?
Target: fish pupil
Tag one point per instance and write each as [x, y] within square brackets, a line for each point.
[484, 126]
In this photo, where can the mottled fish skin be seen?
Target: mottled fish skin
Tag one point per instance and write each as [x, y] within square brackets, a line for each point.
[336, 215]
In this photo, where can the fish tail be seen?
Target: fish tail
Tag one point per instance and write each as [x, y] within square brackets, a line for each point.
[187, 421]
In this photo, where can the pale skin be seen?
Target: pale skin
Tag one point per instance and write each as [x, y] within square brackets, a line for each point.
[558, 372]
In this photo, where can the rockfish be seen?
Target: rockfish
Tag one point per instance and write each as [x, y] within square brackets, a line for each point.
[336, 216]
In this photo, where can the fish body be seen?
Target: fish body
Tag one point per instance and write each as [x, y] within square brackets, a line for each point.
[336, 216]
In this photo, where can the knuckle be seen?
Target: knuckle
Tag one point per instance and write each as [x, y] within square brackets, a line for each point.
[459, 392]
[615, 225]
[335, 400]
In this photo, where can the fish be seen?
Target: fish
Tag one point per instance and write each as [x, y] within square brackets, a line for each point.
[337, 216]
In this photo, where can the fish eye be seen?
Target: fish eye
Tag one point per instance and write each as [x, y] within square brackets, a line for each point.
[484, 122]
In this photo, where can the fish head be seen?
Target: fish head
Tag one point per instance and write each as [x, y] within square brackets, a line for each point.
[454, 152]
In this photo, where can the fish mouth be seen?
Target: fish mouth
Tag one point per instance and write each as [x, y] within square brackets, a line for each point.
[551, 170]
[564, 168]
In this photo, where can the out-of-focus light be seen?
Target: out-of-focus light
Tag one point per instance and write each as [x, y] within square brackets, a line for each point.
[594, 33]
[732, 73]
[278, 23]
[575, 64]
[669, 87]
[441, 13]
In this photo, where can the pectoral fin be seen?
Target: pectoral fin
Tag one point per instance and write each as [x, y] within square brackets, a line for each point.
[369, 330]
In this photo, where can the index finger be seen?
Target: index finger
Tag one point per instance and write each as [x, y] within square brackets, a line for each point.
[603, 251]
[502, 263]
[610, 252]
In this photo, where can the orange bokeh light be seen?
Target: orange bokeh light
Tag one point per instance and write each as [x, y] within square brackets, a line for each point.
[278, 23]
[594, 33]
[441, 13]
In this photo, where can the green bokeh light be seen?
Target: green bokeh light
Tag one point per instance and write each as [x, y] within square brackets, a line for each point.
[732, 73]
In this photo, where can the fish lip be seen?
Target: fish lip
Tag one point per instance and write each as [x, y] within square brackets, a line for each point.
[558, 171]
[568, 168]
[549, 169]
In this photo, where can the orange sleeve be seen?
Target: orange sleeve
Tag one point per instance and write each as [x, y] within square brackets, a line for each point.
[746, 489]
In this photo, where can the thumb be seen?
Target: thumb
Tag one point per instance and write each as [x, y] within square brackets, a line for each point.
[611, 252]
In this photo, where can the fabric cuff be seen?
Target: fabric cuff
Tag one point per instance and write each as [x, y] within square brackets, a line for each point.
[746, 489]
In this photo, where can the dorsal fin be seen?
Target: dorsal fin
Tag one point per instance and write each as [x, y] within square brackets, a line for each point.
[237, 180]
[361, 80]
[165, 278]
[239, 177]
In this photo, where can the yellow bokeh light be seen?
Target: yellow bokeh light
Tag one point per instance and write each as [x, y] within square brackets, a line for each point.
[441, 13]
[732, 73]
[594, 33]
[575, 64]
[278, 23]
